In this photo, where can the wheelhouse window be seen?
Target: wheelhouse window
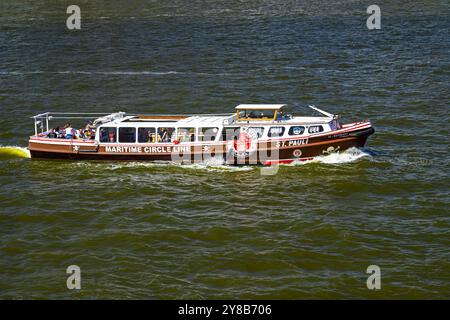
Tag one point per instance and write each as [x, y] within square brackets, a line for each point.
[127, 134]
[108, 134]
[258, 130]
[207, 134]
[186, 134]
[165, 134]
[296, 130]
[147, 135]
[256, 115]
[315, 129]
[276, 132]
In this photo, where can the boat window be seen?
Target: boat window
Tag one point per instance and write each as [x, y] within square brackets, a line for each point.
[296, 130]
[207, 134]
[315, 129]
[256, 114]
[108, 134]
[165, 134]
[229, 134]
[259, 131]
[267, 114]
[276, 132]
[127, 134]
[186, 134]
[147, 135]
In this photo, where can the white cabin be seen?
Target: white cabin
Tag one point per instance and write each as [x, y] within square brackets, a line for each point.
[268, 120]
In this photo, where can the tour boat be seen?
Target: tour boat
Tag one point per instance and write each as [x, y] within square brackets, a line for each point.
[263, 134]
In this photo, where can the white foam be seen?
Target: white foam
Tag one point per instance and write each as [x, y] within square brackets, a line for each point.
[217, 168]
[214, 166]
[347, 156]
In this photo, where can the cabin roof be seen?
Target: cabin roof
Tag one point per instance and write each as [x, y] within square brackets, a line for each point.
[207, 121]
[259, 106]
[173, 121]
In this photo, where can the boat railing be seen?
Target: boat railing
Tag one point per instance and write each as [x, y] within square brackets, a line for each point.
[41, 121]
[182, 114]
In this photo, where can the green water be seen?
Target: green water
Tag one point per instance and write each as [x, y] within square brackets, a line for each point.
[156, 231]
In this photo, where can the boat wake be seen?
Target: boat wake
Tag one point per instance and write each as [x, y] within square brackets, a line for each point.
[218, 165]
[13, 152]
[209, 166]
[347, 156]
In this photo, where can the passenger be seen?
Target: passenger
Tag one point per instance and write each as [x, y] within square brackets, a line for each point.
[84, 133]
[58, 133]
[89, 130]
[112, 136]
[280, 116]
[182, 137]
[151, 137]
[52, 134]
[160, 134]
[170, 137]
[164, 136]
[103, 135]
[92, 133]
[79, 134]
[192, 137]
[63, 131]
[89, 125]
[68, 130]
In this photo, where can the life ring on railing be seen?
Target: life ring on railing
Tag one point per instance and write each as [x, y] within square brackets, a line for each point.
[246, 142]
[243, 142]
